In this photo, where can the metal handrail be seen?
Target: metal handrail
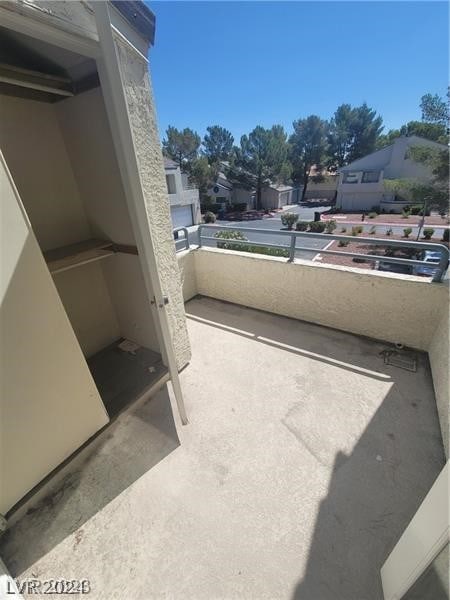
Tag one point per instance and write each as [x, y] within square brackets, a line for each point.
[184, 239]
[441, 267]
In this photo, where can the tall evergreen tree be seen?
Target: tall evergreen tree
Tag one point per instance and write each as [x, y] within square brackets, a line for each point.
[217, 144]
[435, 109]
[259, 159]
[308, 147]
[181, 146]
[354, 133]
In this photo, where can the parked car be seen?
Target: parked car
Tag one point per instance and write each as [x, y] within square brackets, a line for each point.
[394, 267]
[432, 257]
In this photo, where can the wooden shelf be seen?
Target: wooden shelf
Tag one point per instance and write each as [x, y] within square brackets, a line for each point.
[69, 257]
[123, 372]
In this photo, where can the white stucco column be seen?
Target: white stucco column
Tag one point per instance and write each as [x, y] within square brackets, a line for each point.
[142, 118]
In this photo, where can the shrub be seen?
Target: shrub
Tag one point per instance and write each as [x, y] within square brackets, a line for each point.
[389, 231]
[240, 206]
[268, 251]
[330, 226]
[342, 243]
[237, 235]
[317, 226]
[372, 230]
[357, 230]
[209, 217]
[446, 235]
[289, 219]
[230, 235]
[372, 215]
[407, 232]
[416, 210]
[343, 229]
[301, 225]
[405, 214]
[428, 233]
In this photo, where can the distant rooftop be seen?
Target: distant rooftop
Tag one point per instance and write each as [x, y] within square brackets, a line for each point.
[169, 163]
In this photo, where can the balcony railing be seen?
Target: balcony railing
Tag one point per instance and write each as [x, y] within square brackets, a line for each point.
[293, 236]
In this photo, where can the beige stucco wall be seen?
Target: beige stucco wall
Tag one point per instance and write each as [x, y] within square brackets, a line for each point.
[141, 112]
[188, 274]
[382, 306]
[438, 353]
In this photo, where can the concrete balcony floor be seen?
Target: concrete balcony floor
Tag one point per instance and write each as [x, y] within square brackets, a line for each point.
[305, 458]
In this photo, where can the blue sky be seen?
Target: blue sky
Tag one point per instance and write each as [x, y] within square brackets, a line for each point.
[242, 64]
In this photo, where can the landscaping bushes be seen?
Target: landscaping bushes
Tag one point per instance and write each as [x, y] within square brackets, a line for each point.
[357, 230]
[330, 226]
[235, 245]
[317, 226]
[301, 225]
[372, 215]
[428, 233]
[446, 235]
[407, 232]
[231, 235]
[209, 217]
[342, 243]
[289, 219]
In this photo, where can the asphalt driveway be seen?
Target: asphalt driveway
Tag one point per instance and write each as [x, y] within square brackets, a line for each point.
[272, 223]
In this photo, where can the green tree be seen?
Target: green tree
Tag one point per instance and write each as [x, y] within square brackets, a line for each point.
[353, 133]
[340, 137]
[259, 159]
[435, 191]
[366, 128]
[203, 175]
[435, 109]
[217, 144]
[181, 146]
[308, 146]
[435, 132]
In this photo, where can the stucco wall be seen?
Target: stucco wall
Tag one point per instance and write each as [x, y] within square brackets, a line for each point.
[142, 118]
[438, 353]
[188, 276]
[384, 306]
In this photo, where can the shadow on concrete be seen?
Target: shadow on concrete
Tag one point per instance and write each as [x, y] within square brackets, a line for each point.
[134, 443]
[254, 324]
[376, 487]
[373, 494]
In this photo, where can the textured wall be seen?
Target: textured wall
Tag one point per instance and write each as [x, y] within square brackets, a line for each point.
[439, 360]
[382, 306]
[188, 276]
[139, 98]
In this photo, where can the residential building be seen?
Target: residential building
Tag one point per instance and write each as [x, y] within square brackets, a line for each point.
[275, 196]
[322, 185]
[361, 183]
[222, 191]
[183, 196]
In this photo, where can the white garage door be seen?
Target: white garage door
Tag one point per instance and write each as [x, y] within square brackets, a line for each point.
[181, 216]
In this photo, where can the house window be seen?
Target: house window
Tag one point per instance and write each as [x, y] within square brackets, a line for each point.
[370, 176]
[171, 187]
[350, 177]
